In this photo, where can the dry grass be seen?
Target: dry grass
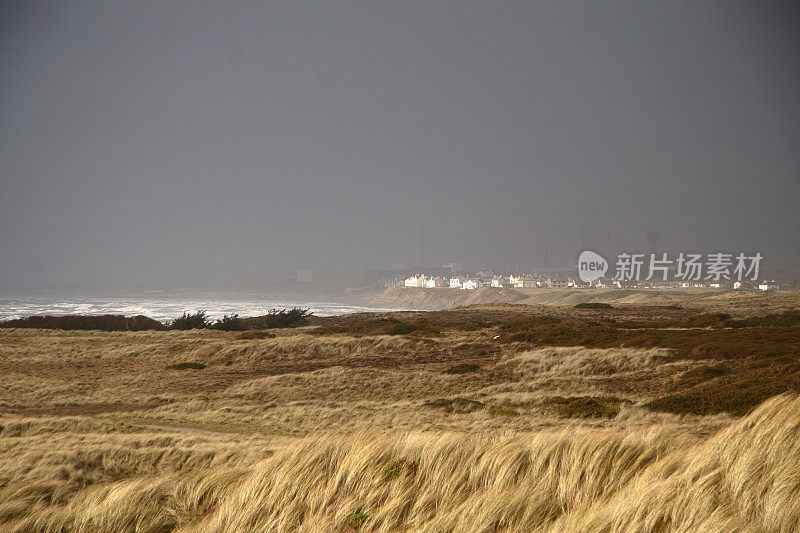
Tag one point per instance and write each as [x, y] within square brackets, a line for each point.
[406, 422]
[745, 478]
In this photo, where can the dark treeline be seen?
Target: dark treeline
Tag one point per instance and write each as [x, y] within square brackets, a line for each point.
[85, 322]
[274, 319]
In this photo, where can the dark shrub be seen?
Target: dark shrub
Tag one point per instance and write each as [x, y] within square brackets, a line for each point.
[785, 319]
[195, 321]
[501, 411]
[706, 320]
[230, 323]
[593, 305]
[463, 368]
[736, 391]
[401, 328]
[87, 322]
[254, 334]
[383, 326]
[278, 318]
[190, 365]
[545, 330]
[702, 373]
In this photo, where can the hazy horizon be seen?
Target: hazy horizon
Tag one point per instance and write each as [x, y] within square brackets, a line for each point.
[168, 143]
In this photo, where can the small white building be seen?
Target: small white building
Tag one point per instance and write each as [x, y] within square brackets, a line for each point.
[455, 283]
[430, 283]
[768, 286]
[415, 281]
[469, 285]
[497, 281]
[515, 281]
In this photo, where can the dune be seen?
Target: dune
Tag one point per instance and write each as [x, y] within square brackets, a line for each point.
[744, 478]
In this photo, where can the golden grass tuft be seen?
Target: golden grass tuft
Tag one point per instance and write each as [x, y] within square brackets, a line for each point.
[745, 478]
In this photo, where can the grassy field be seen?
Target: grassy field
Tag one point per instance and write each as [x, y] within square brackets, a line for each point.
[486, 418]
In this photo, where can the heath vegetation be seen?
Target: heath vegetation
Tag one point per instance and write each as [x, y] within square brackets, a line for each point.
[487, 418]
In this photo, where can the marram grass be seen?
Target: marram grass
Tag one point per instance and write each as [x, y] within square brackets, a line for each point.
[744, 478]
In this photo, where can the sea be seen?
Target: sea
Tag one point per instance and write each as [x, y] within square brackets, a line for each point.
[164, 309]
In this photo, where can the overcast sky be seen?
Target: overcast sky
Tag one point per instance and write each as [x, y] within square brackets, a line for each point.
[160, 142]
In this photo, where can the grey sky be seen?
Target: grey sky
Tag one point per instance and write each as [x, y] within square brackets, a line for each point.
[160, 142]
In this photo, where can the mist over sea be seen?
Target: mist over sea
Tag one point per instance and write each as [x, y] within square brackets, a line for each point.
[162, 309]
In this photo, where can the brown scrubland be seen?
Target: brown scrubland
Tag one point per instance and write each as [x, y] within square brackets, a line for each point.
[494, 417]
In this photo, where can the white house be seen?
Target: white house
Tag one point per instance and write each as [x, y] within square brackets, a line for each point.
[768, 286]
[497, 281]
[430, 283]
[515, 281]
[455, 283]
[471, 284]
[415, 281]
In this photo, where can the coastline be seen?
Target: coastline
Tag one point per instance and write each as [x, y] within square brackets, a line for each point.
[739, 303]
[168, 306]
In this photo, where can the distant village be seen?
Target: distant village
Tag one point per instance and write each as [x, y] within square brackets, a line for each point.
[483, 279]
[455, 276]
[562, 280]
[722, 271]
